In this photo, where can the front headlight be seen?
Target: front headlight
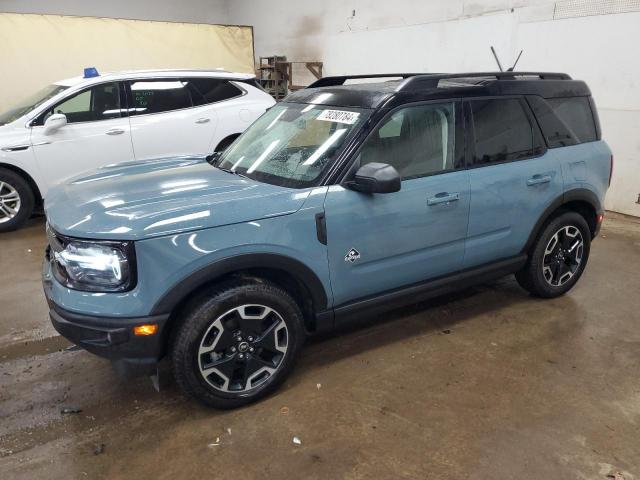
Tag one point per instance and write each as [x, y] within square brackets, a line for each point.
[92, 265]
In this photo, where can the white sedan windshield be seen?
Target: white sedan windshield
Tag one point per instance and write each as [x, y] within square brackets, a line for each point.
[30, 103]
[291, 144]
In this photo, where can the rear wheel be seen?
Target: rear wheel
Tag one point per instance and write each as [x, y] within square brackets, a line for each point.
[558, 257]
[16, 200]
[237, 344]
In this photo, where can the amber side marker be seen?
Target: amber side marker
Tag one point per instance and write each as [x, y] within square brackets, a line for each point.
[145, 330]
[600, 218]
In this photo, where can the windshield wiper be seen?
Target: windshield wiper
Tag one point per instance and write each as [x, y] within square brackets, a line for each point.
[232, 172]
[214, 161]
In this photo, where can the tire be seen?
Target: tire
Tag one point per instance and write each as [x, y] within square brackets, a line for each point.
[16, 200]
[236, 370]
[557, 260]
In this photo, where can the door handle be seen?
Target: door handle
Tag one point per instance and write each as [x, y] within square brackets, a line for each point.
[203, 120]
[443, 197]
[14, 148]
[115, 131]
[538, 179]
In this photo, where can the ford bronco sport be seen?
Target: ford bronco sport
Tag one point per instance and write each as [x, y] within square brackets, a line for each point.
[340, 200]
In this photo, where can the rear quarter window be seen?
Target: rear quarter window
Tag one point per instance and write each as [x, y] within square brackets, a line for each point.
[576, 113]
[565, 121]
[211, 90]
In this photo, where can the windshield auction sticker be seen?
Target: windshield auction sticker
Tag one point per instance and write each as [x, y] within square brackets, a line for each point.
[339, 116]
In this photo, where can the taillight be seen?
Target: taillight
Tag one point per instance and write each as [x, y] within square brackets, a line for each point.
[610, 170]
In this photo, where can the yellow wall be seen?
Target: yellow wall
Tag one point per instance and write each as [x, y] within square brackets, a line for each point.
[36, 50]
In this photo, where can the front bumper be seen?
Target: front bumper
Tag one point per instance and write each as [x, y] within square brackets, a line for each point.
[113, 338]
[109, 337]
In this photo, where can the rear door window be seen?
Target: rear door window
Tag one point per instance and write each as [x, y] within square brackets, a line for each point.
[157, 96]
[211, 90]
[502, 132]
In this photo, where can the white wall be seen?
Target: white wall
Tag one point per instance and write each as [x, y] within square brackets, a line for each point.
[455, 35]
[364, 36]
[194, 11]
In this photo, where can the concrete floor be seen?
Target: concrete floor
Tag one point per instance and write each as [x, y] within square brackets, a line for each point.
[487, 383]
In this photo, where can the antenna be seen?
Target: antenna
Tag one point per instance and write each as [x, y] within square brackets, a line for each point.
[495, 55]
[516, 62]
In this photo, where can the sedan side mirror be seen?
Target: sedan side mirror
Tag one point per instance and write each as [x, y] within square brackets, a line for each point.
[376, 178]
[54, 123]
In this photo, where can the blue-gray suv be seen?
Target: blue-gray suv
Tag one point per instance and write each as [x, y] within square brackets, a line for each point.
[341, 200]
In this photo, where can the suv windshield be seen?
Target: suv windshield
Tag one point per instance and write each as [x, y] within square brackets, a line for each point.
[292, 144]
[30, 103]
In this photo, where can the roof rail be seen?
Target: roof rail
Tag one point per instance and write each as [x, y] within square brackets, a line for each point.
[340, 79]
[430, 80]
[419, 82]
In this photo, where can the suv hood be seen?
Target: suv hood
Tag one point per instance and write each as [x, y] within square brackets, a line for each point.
[150, 198]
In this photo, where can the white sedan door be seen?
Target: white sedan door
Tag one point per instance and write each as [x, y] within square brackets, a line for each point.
[166, 119]
[96, 134]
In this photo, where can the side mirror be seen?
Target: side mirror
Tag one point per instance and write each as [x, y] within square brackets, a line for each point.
[54, 122]
[376, 178]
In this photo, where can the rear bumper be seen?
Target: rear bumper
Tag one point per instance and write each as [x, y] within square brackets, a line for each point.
[113, 338]
[599, 220]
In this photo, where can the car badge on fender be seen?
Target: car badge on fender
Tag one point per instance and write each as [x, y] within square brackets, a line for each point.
[352, 255]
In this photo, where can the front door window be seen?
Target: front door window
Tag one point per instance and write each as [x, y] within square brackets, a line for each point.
[417, 141]
[100, 102]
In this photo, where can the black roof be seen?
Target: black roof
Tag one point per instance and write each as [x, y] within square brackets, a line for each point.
[412, 87]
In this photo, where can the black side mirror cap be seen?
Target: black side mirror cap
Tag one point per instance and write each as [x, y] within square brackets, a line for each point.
[375, 178]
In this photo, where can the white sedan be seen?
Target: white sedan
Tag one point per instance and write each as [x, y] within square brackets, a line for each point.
[87, 122]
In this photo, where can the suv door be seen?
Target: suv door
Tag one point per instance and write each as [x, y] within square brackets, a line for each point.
[513, 178]
[169, 117]
[381, 242]
[97, 133]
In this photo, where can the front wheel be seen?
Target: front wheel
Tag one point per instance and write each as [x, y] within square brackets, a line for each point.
[558, 257]
[237, 344]
[16, 200]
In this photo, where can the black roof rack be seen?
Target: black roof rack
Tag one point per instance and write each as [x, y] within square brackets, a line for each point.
[340, 79]
[415, 81]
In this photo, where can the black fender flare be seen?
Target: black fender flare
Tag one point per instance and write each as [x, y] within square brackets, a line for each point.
[576, 194]
[584, 195]
[183, 288]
